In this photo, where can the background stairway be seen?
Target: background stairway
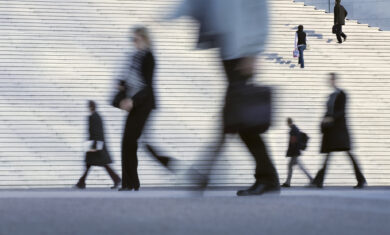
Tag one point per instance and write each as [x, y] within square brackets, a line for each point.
[55, 55]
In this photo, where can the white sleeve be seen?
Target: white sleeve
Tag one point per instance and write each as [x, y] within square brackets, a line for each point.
[296, 40]
[99, 145]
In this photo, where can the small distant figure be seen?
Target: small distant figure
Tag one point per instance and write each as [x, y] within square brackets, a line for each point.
[98, 154]
[335, 134]
[297, 142]
[300, 44]
[339, 20]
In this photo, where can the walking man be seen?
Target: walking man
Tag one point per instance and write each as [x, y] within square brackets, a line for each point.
[239, 29]
[339, 20]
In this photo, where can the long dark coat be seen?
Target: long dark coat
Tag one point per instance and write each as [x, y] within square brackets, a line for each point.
[339, 14]
[293, 145]
[96, 133]
[336, 136]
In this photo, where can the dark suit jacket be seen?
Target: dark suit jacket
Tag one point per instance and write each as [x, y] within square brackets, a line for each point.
[293, 145]
[339, 14]
[336, 136]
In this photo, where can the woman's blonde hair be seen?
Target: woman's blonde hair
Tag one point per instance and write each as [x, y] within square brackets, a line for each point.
[143, 32]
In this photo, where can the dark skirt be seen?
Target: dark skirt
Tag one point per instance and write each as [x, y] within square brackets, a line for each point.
[98, 158]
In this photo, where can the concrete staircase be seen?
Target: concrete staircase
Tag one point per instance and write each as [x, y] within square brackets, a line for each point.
[55, 55]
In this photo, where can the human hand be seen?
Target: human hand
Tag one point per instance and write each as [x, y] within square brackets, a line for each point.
[246, 66]
[126, 104]
[92, 150]
[328, 120]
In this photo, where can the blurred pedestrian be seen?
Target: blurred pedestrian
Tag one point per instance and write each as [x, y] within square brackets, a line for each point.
[294, 151]
[239, 29]
[300, 44]
[335, 134]
[339, 20]
[98, 154]
[139, 102]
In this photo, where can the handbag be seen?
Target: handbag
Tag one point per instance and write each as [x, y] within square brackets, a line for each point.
[334, 29]
[247, 109]
[296, 53]
[120, 95]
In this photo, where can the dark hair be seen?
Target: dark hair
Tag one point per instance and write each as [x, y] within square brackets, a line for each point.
[300, 28]
[92, 105]
[289, 121]
[143, 32]
[333, 76]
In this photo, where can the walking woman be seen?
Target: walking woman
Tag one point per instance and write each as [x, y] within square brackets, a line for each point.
[140, 101]
[335, 134]
[98, 154]
[300, 44]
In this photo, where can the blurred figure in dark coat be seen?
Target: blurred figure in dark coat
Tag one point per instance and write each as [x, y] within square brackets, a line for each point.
[339, 20]
[139, 103]
[335, 134]
[98, 154]
[293, 152]
[239, 29]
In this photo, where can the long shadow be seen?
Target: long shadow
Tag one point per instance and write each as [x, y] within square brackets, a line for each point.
[278, 59]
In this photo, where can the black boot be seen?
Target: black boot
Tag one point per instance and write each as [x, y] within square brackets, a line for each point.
[162, 159]
[361, 184]
[80, 185]
[116, 184]
[259, 189]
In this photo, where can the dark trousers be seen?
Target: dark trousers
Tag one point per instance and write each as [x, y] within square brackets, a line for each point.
[319, 179]
[339, 33]
[109, 170]
[295, 161]
[134, 125]
[265, 170]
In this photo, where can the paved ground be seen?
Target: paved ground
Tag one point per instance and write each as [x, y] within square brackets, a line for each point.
[168, 211]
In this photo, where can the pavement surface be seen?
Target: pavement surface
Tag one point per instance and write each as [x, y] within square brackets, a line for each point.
[298, 211]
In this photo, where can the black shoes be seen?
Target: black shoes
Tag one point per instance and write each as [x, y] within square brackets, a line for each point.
[315, 185]
[128, 189]
[125, 189]
[116, 184]
[361, 185]
[80, 185]
[345, 38]
[286, 185]
[162, 159]
[259, 189]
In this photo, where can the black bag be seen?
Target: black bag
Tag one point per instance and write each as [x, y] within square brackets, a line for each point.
[98, 158]
[121, 94]
[247, 109]
[334, 29]
[303, 140]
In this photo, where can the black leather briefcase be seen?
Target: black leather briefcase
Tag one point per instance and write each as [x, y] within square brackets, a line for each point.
[248, 108]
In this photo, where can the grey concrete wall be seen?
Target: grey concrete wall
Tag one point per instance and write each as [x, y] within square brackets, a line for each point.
[372, 12]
